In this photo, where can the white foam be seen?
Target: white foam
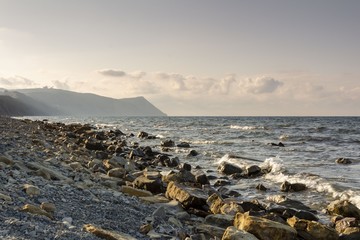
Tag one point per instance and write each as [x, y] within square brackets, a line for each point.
[245, 128]
[229, 159]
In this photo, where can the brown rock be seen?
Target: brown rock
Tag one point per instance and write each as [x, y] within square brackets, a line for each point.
[49, 207]
[264, 229]
[36, 210]
[228, 168]
[313, 230]
[117, 172]
[135, 192]
[150, 183]
[344, 208]
[31, 190]
[187, 196]
[232, 233]
[344, 223]
[106, 234]
[6, 160]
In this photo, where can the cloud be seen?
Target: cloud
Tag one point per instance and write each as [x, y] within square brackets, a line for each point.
[61, 84]
[175, 80]
[112, 73]
[16, 81]
[261, 85]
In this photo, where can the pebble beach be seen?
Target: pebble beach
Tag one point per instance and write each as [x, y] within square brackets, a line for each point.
[78, 181]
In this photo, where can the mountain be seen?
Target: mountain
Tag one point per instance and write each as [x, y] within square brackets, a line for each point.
[10, 106]
[67, 103]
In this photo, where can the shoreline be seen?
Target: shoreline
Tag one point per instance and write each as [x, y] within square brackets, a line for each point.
[90, 176]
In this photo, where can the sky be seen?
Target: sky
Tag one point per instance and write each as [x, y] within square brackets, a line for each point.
[190, 58]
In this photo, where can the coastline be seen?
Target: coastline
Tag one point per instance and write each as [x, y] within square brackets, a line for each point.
[86, 176]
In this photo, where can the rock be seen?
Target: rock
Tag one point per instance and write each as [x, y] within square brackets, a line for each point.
[187, 196]
[36, 211]
[142, 135]
[306, 215]
[101, 155]
[144, 229]
[93, 144]
[344, 223]
[289, 203]
[261, 187]
[200, 177]
[181, 177]
[192, 153]
[280, 144]
[117, 172]
[253, 170]
[232, 233]
[106, 234]
[228, 168]
[350, 233]
[154, 199]
[344, 208]
[75, 166]
[185, 167]
[210, 231]
[221, 182]
[6, 160]
[263, 228]
[183, 145]
[49, 207]
[149, 183]
[135, 192]
[343, 161]
[219, 206]
[312, 229]
[292, 187]
[54, 174]
[31, 190]
[5, 197]
[220, 220]
[168, 143]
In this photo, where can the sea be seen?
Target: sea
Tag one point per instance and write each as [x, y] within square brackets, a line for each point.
[311, 147]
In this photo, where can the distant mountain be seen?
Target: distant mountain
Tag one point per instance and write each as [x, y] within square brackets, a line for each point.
[10, 106]
[67, 103]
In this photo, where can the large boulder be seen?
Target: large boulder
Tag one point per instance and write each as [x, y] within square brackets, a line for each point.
[220, 220]
[263, 228]
[232, 233]
[180, 176]
[153, 184]
[219, 206]
[292, 187]
[187, 196]
[309, 230]
[344, 223]
[344, 208]
[228, 168]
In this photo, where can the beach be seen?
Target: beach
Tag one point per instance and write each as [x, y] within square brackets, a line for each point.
[86, 181]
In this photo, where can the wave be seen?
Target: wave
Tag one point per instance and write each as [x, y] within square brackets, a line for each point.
[247, 128]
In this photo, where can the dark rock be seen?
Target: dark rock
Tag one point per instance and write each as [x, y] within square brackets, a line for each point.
[306, 215]
[183, 145]
[193, 153]
[200, 177]
[101, 155]
[220, 220]
[142, 135]
[92, 144]
[185, 166]
[344, 208]
[180, 177]
[292, 187]
[253, 170]
[152, 184]
[168, 143]
[343, 161]
[228, 168]
[280, 144]
[261, 187]
[221, 182]
[137, 152]
[344, 223]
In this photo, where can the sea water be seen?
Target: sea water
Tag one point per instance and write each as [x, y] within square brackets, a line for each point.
[312, 145]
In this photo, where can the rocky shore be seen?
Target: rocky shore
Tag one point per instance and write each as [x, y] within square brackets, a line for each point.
[79, 182]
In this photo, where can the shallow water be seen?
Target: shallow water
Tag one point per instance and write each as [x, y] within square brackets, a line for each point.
[312, 144]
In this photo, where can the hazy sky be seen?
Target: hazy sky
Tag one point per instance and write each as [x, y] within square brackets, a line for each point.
[190, 57]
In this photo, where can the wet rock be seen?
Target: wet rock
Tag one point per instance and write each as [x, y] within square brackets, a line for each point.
[168, 143]
[350, 233]
[289, 203]
[343, 161]
[312, 230]
[344, 223]
[232, 233]
[262, 228]
[142, 135]
[292, 187]
[181, 177]
[193, 153]
[344, 208]
[183, 145]
[261, 187]
[185, 166]
[228, 168]
[220, 220]
[200, 177]
[253, 170]
[210, 231]
[187, 196]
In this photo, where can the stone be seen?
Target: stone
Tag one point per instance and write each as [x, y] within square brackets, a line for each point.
[219, 206]
[343, 161]
[102, 155]
[187, 196]
[344, 208]
[6, 160]
[220, 220]
[75, 165]
[210, 230]
[49, 207]
[135, 192]
[263, 228]
[221, 182]
[183, 145]
[36, 210]
[289, 203]
[228, 168]
[154, 199]
[142, 134]
[232, 233]
[261, 187]
[181, 177]
[31, 190]
[144, 229]
[344, 223]
[200, 177]
[350, 233]
[5, 197]
[117, 172]
[93, 144]
[192, 153]
[292, 187]
[149, 183]
[54, 174]
[253, 170]
[167, 143]
[106, 234]
[312, 229]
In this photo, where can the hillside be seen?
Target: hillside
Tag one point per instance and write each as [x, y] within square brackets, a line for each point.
[67, 103]
[10, 106]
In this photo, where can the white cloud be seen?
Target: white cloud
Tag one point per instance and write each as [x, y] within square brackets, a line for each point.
[16, 81]
[61, 84]
[260, 85]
